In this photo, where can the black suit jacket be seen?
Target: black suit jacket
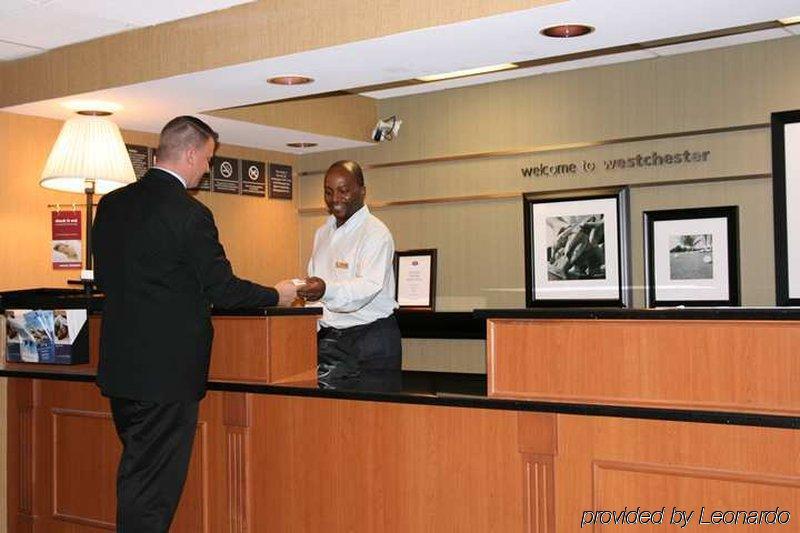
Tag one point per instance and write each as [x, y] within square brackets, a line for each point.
[159, 262]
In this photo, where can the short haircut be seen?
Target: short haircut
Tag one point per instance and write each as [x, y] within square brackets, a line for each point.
[182, 133]
[352, 168]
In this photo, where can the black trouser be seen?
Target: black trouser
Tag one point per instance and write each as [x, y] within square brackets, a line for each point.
[156, 447]
[344, 354]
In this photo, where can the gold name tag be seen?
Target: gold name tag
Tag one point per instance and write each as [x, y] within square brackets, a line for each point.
[342, 264]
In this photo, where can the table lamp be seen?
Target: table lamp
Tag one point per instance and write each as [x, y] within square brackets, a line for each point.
[89, 156]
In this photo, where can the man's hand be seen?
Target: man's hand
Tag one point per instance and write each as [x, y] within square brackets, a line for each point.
[313, 289]
[287, 292]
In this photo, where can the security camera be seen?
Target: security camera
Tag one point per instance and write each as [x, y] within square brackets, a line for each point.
[386, 129]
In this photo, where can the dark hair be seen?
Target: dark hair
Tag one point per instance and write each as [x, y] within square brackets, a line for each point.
[352, 168]
[181, 133]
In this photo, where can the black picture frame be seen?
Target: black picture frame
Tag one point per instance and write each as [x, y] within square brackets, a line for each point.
[785, 127]
[430, 254]
[569, 283]
[693, 275]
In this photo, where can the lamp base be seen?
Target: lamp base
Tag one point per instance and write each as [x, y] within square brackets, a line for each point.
[88, 285]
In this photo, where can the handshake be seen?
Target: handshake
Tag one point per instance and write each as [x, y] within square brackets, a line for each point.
[309, 289]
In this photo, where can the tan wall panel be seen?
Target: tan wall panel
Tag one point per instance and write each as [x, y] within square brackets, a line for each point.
[258, 30]
[445, 355]
[480, 242]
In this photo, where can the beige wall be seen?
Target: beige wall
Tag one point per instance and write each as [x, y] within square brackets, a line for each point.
[480, 242]
[260, 235]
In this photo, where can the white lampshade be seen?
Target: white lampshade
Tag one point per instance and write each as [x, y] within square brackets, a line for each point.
[88, 149]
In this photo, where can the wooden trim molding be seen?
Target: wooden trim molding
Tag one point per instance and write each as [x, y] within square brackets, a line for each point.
[237, 419]
[517, 194]
[537, 441]
[554, 147]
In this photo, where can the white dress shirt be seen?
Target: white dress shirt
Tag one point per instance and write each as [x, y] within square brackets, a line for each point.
[356, 263]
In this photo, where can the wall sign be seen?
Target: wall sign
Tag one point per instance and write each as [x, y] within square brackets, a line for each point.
[141, 158]
[280, 181]
[644, 160]
[66, 246]
[253, 178]
[226, 175]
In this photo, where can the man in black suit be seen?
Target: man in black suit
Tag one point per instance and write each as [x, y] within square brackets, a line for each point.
[161, 266]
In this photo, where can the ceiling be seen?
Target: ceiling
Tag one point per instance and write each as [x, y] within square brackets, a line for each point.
[29, 27]
[626, 30]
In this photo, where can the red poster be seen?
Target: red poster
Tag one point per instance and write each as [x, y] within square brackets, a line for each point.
[66, 247]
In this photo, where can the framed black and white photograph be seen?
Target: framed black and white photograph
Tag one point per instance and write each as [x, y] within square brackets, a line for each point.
[576, 249]
[786, 205]
[692, 256]
[415, 279]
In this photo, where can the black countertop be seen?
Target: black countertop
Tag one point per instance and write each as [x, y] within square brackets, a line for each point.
[78, 299]
[661, 313]
[442, 389]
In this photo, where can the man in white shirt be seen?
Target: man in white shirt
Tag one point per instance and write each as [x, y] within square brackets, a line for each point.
[351, 273]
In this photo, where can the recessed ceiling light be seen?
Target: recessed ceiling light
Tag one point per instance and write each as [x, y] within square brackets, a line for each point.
[301, 145]
[290, 79]
[789, 21]
[96, 106]
[467, 72]
[563, 31]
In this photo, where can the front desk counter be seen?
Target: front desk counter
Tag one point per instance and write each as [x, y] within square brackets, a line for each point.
[417, 451]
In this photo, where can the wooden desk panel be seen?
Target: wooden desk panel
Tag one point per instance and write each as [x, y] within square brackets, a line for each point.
[606, 463]
[744, 366]
[265, 462]
[264, 349]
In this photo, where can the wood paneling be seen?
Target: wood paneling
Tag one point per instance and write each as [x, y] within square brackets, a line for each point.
[295, 464]
[263, 349]
[292, 347]
[73, 468]
[746, 366]
[340, 465]
[65, 455]
[611, 463]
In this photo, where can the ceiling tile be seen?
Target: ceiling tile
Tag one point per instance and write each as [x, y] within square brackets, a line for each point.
[9, 51]
[54, 26]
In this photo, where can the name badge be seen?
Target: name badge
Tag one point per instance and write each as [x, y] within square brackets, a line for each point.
[342, 264]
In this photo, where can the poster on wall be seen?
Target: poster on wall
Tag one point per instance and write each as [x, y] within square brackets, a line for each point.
[280, 181]
[576, 249]
[226, 175]
[786, 205]
[254, 178]
[66, 244]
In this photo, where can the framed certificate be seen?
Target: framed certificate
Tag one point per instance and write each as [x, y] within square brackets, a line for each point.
[415, 279]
